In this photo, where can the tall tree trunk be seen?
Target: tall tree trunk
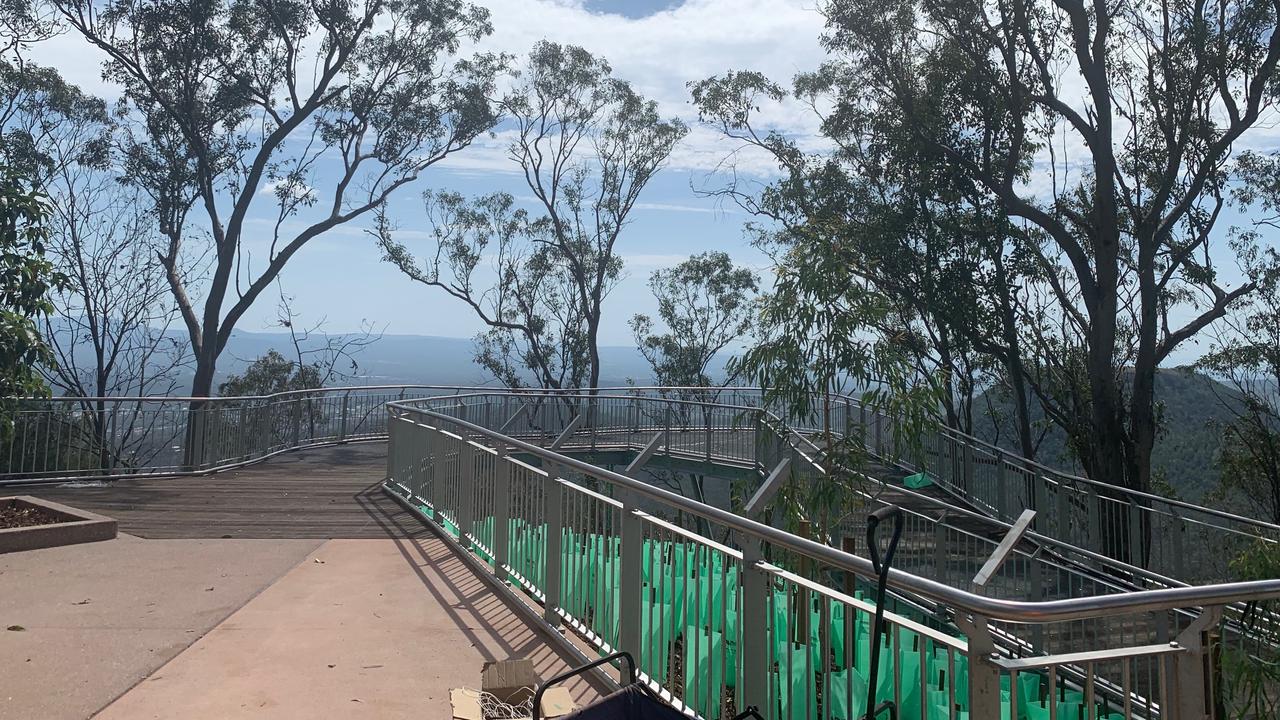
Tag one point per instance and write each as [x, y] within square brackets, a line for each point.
[194, 451]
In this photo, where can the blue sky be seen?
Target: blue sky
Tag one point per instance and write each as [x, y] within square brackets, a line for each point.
[658, 46]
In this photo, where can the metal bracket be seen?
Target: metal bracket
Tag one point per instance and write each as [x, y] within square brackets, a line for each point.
[1192, 637]
[1001, 553]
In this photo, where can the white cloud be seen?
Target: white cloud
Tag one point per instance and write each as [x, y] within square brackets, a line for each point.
[661, 53]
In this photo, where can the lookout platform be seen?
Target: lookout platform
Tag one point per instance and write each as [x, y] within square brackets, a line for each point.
[293, 588]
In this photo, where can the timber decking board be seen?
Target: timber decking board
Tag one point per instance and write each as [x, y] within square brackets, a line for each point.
[329, 492]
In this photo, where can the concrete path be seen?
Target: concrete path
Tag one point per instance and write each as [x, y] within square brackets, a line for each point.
[361, 629]
[97, 618]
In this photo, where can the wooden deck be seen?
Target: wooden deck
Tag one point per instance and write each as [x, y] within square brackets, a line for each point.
[329, 492]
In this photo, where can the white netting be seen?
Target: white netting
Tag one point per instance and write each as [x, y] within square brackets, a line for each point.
[495, 709]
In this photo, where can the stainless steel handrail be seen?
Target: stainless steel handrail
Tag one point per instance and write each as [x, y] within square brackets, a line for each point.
[990, 608]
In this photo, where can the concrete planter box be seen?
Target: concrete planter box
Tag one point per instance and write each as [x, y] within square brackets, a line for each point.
[77, 526]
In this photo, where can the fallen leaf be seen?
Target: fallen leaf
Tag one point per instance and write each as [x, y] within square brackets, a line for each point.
[370, 667]
[321, 562]
[85, 601]
[331, 666]
[15, 628]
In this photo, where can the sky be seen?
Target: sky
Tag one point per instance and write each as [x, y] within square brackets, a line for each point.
[656, 45]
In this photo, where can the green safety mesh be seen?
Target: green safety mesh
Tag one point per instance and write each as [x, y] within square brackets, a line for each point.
[689, 631]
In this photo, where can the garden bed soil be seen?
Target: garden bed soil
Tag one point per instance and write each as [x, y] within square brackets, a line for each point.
[29, 523]
[18, 516]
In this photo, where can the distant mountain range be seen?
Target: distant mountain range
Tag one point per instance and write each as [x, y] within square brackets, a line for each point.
[1185, 452]
[425, 360]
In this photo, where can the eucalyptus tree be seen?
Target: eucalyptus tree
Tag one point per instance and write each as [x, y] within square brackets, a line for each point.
[26, 280]
[109, 327]
[705, 304]
[255, 126]
[1107, 134]
[1246, 357]
[587, 145]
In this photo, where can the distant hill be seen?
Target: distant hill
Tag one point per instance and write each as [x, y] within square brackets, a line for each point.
[1186, 451]
[427, 360]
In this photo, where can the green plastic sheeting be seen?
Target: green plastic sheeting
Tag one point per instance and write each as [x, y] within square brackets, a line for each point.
[917, 481]
[689, 631]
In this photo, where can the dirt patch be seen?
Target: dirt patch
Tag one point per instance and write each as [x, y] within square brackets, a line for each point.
[13, 515]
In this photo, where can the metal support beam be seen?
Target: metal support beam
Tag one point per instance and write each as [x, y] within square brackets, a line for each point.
[767, 490]
[1006, 546]
[514, 417]
[633, 468]
[567, 432]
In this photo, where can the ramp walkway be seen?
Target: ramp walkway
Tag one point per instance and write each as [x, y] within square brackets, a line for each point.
[1103, 607]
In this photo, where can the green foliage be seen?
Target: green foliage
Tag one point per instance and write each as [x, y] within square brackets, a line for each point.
[813, 342]
[26, 278]
[320, 111]
[587, 145]
[705, 304]
[1251, 674]
[272, 373]
[1246, 356]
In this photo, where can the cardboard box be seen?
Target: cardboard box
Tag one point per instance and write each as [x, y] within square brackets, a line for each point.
[556, 702]
[512, 682]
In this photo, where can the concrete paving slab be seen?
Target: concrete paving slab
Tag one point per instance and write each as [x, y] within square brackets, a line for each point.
[375, 629]
[97, 618]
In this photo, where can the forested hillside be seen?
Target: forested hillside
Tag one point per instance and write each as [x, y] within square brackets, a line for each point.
[1185, 451]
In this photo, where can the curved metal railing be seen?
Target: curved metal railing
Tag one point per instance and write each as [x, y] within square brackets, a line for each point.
[484, 483]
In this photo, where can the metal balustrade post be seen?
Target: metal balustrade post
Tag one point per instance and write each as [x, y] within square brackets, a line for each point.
[984, 673]
[1040, 484]
[593, 408]
[706, 414]
[501, 512]
[1179, 554]
[342, 421]
[245, 430]
[1095, 534]
[667, 427]
[862, 423]
[554, 513]
[967, 468]
[393, 447]
[1137, 539]
[297, 422]
[955, 462]
[1064, 509]
[466, 492]
[630, 582]
[754, 655]
[940, 550]
[1193, 692]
